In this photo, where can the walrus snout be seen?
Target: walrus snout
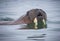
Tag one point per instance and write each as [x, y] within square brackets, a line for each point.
[39, 14]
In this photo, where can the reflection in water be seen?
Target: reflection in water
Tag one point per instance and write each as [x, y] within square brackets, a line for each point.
[12, 34]
[37, 37]
[41, 36]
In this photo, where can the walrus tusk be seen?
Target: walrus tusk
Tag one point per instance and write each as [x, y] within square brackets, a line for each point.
[44, 22]
[35, 21]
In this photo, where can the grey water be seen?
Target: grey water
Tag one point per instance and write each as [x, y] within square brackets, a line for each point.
[16, 8]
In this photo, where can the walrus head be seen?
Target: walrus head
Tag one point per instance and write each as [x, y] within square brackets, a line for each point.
[33, 15]
[36, 13]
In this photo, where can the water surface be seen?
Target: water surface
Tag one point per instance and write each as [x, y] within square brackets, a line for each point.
[16, 8]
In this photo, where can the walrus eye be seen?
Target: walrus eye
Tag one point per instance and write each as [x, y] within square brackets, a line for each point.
[39, 14]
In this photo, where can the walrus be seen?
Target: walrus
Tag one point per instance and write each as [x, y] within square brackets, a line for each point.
[34, 18]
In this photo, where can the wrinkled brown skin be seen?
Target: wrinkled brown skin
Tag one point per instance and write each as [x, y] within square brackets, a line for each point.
[28, 18]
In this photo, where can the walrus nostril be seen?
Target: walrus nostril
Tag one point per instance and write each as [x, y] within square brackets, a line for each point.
[39, 14]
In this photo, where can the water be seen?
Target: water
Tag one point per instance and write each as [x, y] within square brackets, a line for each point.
[16, 8]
